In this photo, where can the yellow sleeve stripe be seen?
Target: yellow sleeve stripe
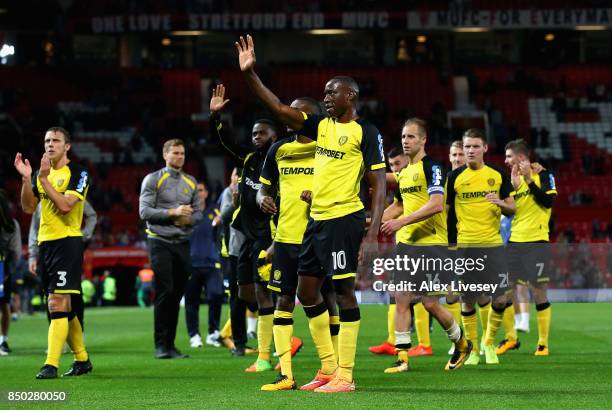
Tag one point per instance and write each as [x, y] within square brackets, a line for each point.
[74, 193]
[216, 211]
[219, 126]
[60, 291]
[162, 179]
[552, 191]
[344, 276]
[235, 213]
[513, 193]
[264, 181]
[188, 182]
[274, 288]
[377, 166]
[305, 115]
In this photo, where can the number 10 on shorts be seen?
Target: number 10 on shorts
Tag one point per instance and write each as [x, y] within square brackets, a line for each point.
[339, 259]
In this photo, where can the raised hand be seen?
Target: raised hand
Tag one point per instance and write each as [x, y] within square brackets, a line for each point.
[45, 166]
[246, 53]
[218, 101]
[23, 167]
[525, 169]
[536, 167]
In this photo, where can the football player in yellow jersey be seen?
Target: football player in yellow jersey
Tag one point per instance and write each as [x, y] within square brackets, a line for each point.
[288, 172]
[397, 161]
[420, 211]
[528, 247]
[61, 187]
[478, 193]
[347, 149]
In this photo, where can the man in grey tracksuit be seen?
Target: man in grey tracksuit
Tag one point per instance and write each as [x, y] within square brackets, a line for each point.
[169, 205]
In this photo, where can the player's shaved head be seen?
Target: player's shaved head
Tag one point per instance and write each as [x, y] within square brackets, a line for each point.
[348, 82]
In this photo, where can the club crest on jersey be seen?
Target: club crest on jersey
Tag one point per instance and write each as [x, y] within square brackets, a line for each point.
[342, 140]
[491, 181]
[277, 275]
[415, 177]
[59, 182]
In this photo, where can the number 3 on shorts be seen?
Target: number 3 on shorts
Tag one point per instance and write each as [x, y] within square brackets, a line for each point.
[62, 278]
[339, 260]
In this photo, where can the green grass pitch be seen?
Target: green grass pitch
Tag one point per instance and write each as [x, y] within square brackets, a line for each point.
[578, 374]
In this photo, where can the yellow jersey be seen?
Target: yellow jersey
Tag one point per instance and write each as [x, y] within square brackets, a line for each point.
[343, 152]
[289, 168]
[71, 179]
[477, 220]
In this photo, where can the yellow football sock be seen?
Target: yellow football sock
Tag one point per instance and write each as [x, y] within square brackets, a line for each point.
[495, 320]
[484, 317]
[283, 331]
[508, 323]
[264, 332]
[227, 329]
[75, 340]
[455, 310]
[318, 323]
[543, 314]
[347, 342]
[470, 327]
[334, 329]
[402, 345]
[58, 333]
[391, 324]
[421, 324]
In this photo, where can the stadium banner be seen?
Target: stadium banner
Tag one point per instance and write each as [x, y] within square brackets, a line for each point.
[116, 256]
[579, 272]
[449, 19]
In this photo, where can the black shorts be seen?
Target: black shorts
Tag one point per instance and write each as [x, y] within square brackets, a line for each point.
[529, 262]
[248, 261]
[331, 247]
[428, 278]
[284, 275]
[61, 264]
[481, 271]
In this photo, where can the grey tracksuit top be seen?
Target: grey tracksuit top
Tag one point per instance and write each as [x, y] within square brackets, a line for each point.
[162, 190]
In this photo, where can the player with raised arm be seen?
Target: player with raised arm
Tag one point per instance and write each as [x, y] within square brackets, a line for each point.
[288, 172]
[255, 225]
[529, 253]
[347, 147]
